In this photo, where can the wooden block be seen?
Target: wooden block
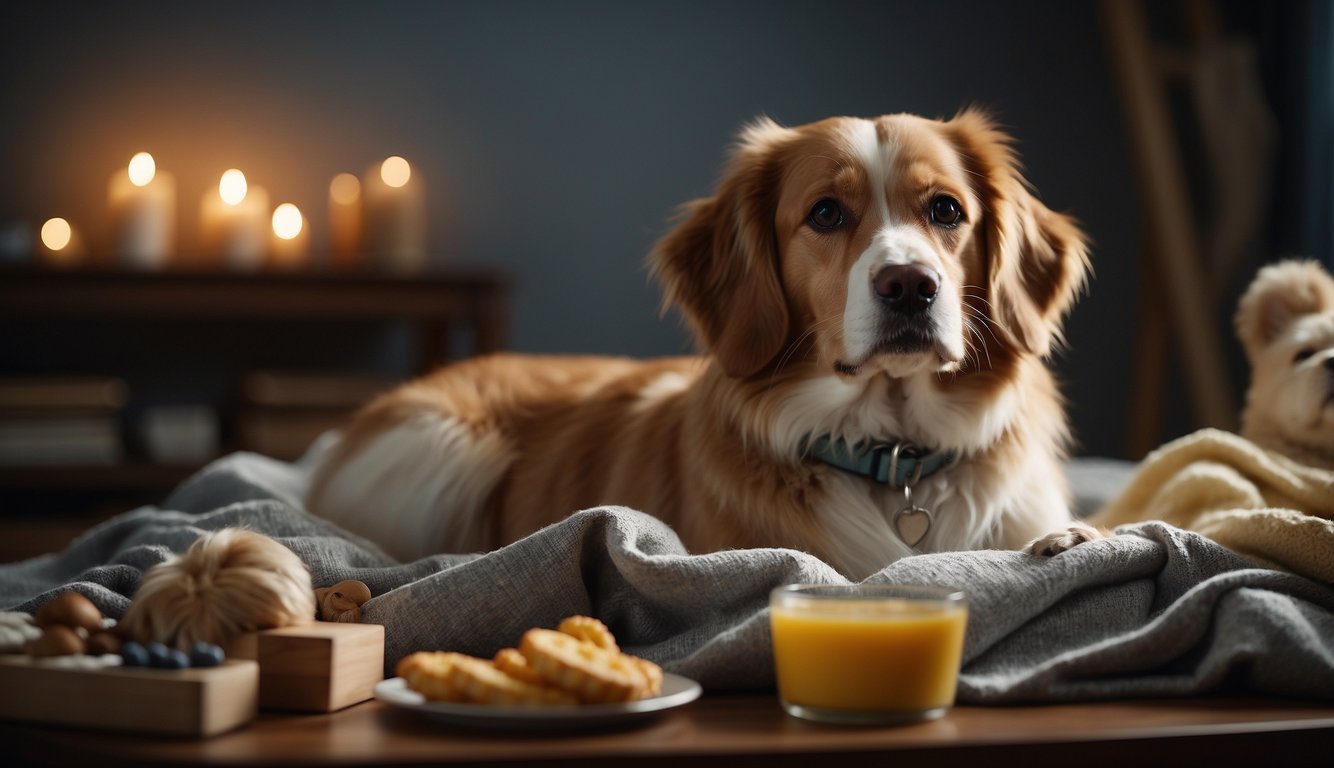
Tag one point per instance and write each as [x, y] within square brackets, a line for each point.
[200, 701]
[317, 667]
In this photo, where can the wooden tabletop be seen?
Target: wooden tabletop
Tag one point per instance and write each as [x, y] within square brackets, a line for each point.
[738, 730]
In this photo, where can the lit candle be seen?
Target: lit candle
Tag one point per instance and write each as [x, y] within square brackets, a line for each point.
[290, 247]
[234, 223]
[345, 249]
[395, 208]
[143, 213]
[60, 244]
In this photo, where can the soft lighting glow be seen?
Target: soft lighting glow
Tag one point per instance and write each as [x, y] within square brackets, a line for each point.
[232, 188]
[287, 221]
[142, 169]
[345, 189]
[56, 234]
[395, 171]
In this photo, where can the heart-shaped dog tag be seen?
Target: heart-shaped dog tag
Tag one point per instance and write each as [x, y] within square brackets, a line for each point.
[912, 524]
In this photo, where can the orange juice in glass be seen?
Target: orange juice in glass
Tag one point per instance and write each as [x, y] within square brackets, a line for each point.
[867, 653]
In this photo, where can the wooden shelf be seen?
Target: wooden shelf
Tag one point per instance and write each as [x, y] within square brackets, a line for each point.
[130, 475]
[472, 297]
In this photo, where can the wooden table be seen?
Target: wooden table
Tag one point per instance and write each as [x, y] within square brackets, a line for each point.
[742, 730]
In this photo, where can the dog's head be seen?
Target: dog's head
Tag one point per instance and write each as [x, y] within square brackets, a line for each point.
[896, 244]
[1285, 321]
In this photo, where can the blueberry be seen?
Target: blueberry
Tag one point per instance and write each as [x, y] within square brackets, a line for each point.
[133, 655]
[157, 654]
[176, 660]
[205, 655]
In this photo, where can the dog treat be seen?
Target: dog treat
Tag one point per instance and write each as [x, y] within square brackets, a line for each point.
[590, 630]
[342, 602]
[481, 683]
[595, 675]
[513, 663]
[426, 672]
[72, 610]
[447, 676]
[652, 675]
[580, 664]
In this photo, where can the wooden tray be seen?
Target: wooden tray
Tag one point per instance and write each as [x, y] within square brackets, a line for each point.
[189, 702]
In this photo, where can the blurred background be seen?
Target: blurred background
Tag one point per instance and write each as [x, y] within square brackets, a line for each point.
[554, 141]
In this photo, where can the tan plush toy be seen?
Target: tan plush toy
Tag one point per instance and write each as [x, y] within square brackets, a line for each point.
[1286, 324]
[228, 582]
[342, 602]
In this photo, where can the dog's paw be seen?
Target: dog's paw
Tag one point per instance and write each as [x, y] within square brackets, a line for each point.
[1057, 542]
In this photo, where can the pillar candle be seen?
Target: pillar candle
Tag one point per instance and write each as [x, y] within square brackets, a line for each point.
[345, 249]
[234, 222]
[142, 204]
[59, 244]
[395, 216]
[289, 248]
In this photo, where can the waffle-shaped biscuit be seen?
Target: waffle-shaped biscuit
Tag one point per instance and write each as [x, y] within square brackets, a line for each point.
[652, 675]
[513, 663]
[427, 673]
[482, 683]
[595, 675]
[590, 630]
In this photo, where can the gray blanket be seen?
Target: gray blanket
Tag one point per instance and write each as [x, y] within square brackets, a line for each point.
[1154, 611]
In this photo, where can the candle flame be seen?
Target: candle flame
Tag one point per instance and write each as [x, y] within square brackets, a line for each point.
[345, 189]
[233, 187]
[56, 234]
[142, 169]
[395, 171]
[287, 221]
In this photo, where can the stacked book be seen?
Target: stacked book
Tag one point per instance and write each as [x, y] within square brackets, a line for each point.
[66, 420]
[281, 413]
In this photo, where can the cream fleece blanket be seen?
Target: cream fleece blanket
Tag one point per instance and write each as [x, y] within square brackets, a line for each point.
[1251, 500]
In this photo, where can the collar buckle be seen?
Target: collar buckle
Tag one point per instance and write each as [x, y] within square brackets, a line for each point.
[913, 453]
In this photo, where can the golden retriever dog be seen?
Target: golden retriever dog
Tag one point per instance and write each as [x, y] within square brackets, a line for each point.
[875, 299]
[1285, 321]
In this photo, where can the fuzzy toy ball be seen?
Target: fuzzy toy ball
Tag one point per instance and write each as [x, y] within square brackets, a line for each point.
[228, 582]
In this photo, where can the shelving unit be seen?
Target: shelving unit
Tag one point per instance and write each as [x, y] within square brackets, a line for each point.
[456, 312]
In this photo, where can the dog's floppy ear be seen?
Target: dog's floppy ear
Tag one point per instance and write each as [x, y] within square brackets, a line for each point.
[720, 263]
[1279, 294]
[1036, 259]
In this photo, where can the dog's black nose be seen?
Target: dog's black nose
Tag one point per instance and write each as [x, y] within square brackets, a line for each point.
[907, 288]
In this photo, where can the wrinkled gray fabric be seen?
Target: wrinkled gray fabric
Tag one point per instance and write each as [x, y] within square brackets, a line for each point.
[1154, 610]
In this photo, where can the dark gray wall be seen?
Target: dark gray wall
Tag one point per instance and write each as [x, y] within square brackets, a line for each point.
[558, 137]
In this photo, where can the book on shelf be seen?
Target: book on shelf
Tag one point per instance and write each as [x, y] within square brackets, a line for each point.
[70, 420]
[300, 389]
[281, 413]
[84, 450]
[32, 394]
[282, 433]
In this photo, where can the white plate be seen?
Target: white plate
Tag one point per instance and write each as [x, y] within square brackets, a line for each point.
[676, 691]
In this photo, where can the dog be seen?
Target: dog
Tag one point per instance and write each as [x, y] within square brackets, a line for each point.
[875, 299]
[1285, 322]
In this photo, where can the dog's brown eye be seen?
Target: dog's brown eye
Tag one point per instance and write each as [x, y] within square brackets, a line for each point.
[946, 211]
[1302, 355]
[825, 215]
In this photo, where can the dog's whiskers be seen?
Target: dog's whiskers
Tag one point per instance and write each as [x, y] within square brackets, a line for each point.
[796, 344]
